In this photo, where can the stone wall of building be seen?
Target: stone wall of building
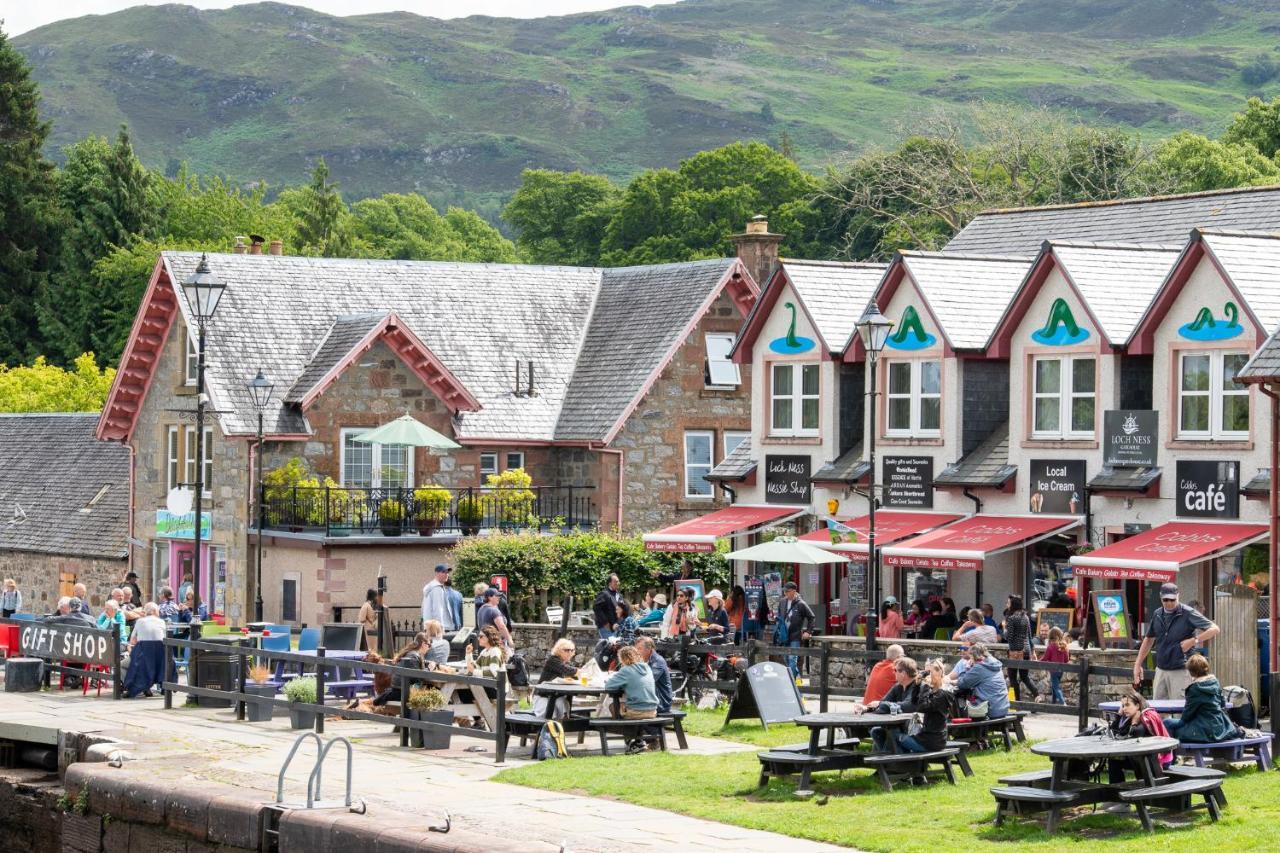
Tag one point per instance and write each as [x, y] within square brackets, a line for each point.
[43, 578]
[653, 436]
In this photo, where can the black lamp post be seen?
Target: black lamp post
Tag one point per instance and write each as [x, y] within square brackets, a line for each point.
[203, 291]
[873, 329]
[260, 391]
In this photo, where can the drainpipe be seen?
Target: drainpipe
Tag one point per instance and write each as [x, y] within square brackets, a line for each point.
[732, 492]
[1273, 559]
[621, 479]
[128, 543]
[977, 510]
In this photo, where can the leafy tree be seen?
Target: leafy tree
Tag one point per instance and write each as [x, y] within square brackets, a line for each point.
[1262, 69]
[27, 206]
[1258, 125]
[105, 193]
[407, 227]
[1192, 163]
[213, 209]
[560, 217]
[322, 215]
[43, 387]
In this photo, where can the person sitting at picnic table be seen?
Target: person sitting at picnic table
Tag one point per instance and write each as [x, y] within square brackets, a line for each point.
[626, 627]
[493, 655]
[168, 607]
[635, 680]
[961, 666]
[439, 646]
[1203, 718]
[1134, 720]
[412, 656]
[901, 698]
[680, 617]
[933, 703]
[558, 666]
[188, 607]
[937, 620]
[111, 615]
[917, 615]
[490, 616]
[984, 680]
[120, 596]
[146, 653]
[717, 617]
[880, 681]
[891, 623]
[655, 614]
[975, 629]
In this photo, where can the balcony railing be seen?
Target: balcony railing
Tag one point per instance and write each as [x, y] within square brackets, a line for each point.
[405, 511]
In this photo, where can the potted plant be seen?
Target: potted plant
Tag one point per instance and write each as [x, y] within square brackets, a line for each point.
[470, 512]
[427, 704]
[260, 710]
[301, 691]
[391, 517]
[430, 507]
[512, 498]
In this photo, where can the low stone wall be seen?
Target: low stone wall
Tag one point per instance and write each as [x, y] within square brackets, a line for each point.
[534, 641]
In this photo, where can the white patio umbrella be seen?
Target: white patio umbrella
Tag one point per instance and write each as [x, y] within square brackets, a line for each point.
[786, 549]
[409, 431]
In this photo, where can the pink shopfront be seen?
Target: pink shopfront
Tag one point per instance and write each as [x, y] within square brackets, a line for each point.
[173, 559]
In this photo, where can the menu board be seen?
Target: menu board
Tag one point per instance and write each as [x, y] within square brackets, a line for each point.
[1111, 611]
[857, 575]
[766, 692]
[772, 589]
[755, 597]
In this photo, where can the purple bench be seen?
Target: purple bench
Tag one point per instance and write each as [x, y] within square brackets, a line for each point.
[1256, 749]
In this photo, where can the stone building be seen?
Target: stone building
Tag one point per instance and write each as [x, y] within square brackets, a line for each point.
[64, 508]
[611, 388]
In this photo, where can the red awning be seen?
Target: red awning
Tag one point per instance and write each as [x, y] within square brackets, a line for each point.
[967, 543]
[700, 534]
[1158, 553]
[891, 526]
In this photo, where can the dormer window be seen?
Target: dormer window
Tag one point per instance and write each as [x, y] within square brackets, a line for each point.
[720, 371]
[1210, 403]
[1064, 397]
[914, 399]
[191, 365]
[795, 390]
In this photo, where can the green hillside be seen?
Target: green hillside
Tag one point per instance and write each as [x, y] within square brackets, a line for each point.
[456, 109]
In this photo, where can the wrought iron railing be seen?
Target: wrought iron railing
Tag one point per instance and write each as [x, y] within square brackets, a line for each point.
[404, 511]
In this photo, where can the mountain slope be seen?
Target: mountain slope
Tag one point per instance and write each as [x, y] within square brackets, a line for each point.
[457, 108]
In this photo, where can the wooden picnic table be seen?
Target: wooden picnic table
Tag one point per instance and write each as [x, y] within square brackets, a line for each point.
[857, 725]
[553, 691]
[1066, 753]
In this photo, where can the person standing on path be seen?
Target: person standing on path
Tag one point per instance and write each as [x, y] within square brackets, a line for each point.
[10, 599]
[1176, 630]
[455, 602]
[435, 599]
[1017, 633]
[795, 622]
[369, 618]
[131, 589]
[491, 614]
[605, 608]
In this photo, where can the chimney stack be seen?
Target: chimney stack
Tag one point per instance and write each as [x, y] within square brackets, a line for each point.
[758, 249]
[276, 248]
[255, 244]
[239, 248]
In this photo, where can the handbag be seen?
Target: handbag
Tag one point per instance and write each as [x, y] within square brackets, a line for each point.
[976, 710]
[916, 726]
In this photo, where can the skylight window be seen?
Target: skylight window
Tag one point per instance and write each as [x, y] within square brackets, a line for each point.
[721, 372]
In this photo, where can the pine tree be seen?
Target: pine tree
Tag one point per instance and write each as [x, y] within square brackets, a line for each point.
[27, 207]
[322, 214]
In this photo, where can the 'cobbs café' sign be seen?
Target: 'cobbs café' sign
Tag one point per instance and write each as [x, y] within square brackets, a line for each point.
[1129, 437]
[60, 641]
[786, 479]
[1208, 489]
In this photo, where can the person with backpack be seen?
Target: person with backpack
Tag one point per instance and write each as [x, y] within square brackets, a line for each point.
[1203, 718]
[794, 625]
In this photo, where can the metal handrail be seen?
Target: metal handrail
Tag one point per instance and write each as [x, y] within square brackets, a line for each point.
[317, 771]
[289, 759]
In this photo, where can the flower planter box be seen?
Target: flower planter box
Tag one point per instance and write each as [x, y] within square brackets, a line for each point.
[300, 719]
[392, 529]
[431, 739]
[262, 709]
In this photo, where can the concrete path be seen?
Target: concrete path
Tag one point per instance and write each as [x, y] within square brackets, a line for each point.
[210, 744]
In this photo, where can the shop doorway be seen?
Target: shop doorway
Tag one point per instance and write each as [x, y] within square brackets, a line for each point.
[182, 570]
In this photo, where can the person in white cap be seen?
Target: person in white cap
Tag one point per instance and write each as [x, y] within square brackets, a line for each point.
[717, 616]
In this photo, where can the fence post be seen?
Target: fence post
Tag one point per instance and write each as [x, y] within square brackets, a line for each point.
[500, 731]
[327, 516]
[170, 672]
[565, 608]
[1083, 687]
[690, 674]
[751, 651]
[824, 684]
[569, 520]
[320, 688]
[404, 710]
[244, 666]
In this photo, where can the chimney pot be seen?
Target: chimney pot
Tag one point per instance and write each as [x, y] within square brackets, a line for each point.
[758, 224]
[255, 248]
[240, 248]
[276, 247]
[757, 246]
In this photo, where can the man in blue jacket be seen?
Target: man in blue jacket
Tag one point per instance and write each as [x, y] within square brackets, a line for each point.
[984, 680]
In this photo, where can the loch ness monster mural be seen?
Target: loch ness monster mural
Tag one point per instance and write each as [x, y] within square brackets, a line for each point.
[791, 343]
[910, 334]
[1205, 328]
[1060, 329]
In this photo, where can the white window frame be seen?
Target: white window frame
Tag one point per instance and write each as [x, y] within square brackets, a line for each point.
[730, 434]
[1215, 395]
[172, 466]
[188, 466]
[486, 470]
[509, 455]
[916, 395]
[376, 461]
[718, 345]
[797, 397]
[191, 362]
[710, 437]
[1066, 396]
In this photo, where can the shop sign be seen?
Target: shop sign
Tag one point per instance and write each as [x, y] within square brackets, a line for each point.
[62, 642]
[786, 479]
[1129, 437]
[1208, 489]
[1126, 574]
[173, 525]
[1057, 486]
[908, 481]
[1111, 611]
[932, 563]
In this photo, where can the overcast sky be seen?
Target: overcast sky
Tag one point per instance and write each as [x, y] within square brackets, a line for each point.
[22, 15]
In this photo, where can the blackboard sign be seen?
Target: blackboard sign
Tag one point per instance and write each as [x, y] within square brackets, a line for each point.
[1129, 437]
[1054, 617]
[766, 692]
[1057, 486]
[62, 641]
[1208, 489]
[857, 589]
[908, 481]
[786, 479]
[342, 635]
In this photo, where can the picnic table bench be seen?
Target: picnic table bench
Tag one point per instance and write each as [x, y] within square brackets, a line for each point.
[781, 763]
[1030, 779]
[1256, 749]
[629, 730]
[978, 732]
[1014, 799]
[895, 766]
[1175, 797]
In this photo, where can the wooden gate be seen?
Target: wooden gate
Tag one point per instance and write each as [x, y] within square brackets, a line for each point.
[1233, 654]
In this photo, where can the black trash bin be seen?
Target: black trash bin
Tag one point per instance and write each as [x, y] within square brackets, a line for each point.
[216, 670]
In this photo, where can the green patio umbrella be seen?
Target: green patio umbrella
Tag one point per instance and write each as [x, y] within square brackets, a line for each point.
[785, 549]
[407, 431]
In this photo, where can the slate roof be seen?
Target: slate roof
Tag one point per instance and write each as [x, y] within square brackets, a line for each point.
[835, 294]
[850, 467]
[951, 284]
[738, 465]
[1118, 281]
[53, 467]
[640, 315]
[343, 336]
[1124, 479]
[1162, 220]
[1252, 262]
[987, 465]
[1259, 484]
[478, 319]
[1264, 366]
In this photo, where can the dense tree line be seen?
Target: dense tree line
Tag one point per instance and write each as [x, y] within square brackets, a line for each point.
[78, 242]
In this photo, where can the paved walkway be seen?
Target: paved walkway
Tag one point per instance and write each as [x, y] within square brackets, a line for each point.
[198, 743]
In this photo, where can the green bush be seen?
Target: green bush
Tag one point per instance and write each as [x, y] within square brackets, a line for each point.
[301, 690]
[575, 563]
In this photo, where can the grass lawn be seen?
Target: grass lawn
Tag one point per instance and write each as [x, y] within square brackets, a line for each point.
[711, 724]
[858, 813]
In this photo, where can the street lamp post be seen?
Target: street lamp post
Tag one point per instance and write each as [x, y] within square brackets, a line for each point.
[873, 329]
[203, 291]
[260, 391]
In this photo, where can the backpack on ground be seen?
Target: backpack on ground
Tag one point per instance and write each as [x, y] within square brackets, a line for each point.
[1238, 702]
[517, 671]
[550, 743]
